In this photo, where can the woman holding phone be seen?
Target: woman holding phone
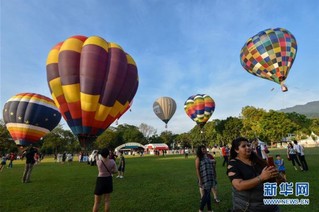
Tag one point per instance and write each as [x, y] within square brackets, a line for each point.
[247, 173]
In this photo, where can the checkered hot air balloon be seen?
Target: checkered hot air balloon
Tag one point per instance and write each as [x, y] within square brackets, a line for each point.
[93, 83]
[29, 117]
[270, 55]
[199, 108]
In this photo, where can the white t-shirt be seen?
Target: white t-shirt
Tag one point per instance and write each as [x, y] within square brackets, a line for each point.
[262, 149]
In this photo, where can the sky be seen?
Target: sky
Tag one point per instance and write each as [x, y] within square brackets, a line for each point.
[181, 48]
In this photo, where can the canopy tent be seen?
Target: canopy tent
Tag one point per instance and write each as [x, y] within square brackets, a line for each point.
[309, 142]
[129, 146]
[158, 146]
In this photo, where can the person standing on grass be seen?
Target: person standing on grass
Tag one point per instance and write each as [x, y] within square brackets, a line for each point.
[121, 168]
[225, 153]
[205, 175]
[104, 181]
[11, 158]
[301, 155]
[3, 162]
[214, 187]
[30, 161]
[292, 155]
[247, 172]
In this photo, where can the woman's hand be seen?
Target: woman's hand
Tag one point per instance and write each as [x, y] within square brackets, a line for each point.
[268, 172]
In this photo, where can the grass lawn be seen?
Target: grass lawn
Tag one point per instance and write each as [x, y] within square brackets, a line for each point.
[151, 183]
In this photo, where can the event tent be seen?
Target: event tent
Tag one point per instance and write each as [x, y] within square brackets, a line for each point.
[129, 146]
[157, 146]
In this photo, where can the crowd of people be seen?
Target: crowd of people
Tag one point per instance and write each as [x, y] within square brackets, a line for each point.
[247, 167]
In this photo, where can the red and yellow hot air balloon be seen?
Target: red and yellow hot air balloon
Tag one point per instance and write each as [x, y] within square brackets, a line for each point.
[93, 83]
[270, 55]
[29, 117]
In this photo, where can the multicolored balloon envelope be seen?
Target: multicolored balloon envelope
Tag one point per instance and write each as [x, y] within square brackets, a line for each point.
[270, 55]
[93, 82]
[29, 117]
[199, 108]
[164, 108]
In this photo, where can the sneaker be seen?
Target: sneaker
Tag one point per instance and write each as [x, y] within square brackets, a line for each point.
[217, 200]
[121, 177]
[117, 176]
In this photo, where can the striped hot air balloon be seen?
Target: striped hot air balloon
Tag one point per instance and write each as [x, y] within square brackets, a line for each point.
[199, 108]
[29, 117]
[164, 108]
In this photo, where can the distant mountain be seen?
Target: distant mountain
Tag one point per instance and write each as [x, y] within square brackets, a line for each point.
[311, 109]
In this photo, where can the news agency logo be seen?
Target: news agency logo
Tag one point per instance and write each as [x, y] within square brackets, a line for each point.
[286, 189]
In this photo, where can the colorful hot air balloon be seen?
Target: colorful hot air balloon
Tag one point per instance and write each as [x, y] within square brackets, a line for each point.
[29, 117]
[199, 108]
[93, 82]
[164, 108]
[270, 55]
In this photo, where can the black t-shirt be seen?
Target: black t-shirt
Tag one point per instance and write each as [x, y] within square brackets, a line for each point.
[242, 170]
[30, 155]
[248, 200]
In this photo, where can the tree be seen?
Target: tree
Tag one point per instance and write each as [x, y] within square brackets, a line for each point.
[183, 140]
[168, 138]
[60, 140]
[251, 117]
[147, 130]
[275, 126]
[110, 139]
[232, 129]
[6, 142]
[314, 127]
[131, 133]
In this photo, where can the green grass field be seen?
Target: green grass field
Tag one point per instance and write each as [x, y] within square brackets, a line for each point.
[151, 183]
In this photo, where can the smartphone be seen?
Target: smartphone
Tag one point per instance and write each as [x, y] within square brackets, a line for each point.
[271, 161]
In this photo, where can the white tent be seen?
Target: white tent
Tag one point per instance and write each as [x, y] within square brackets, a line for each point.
[308, 142]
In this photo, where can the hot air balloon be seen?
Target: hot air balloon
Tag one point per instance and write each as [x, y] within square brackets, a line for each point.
[92, 82]
[270, 55]
[199, 108]
[164, 108]
[29, 117]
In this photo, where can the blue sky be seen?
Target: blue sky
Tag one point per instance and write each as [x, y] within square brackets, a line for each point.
[181, 48]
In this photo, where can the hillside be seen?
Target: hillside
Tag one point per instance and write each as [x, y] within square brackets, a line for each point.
[311, 109]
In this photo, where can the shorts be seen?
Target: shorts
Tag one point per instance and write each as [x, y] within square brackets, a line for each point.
[104, 185]
[121, 168]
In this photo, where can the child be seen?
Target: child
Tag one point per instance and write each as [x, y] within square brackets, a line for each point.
[280, 164]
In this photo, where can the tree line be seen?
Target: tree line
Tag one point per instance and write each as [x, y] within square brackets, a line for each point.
[269, 126]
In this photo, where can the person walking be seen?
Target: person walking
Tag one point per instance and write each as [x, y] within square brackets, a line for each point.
[104, 181]
[205, 176]
[301, 155]
[30, 161]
